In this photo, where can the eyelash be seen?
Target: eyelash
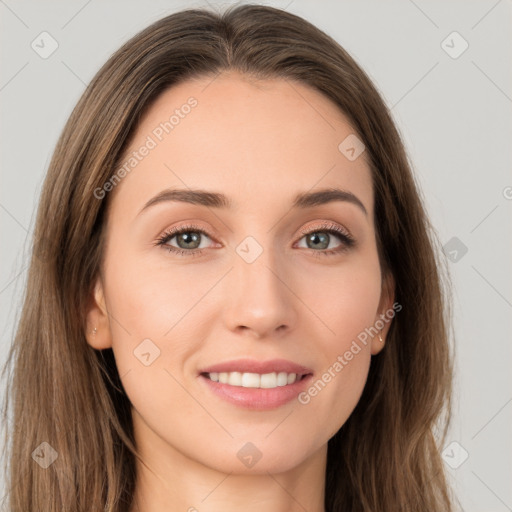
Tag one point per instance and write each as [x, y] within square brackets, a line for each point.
[345, 237]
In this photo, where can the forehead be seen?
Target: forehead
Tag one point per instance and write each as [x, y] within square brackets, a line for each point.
[247, 138]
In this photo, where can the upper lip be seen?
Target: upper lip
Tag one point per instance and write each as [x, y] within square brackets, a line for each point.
[255, 366]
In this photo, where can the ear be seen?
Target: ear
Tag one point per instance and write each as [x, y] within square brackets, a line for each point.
[383, 315]
[97, 323]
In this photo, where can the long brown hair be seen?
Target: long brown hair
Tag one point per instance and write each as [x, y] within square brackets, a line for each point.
[386, 456]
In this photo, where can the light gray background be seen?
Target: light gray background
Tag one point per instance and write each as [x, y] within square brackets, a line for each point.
[455, 117]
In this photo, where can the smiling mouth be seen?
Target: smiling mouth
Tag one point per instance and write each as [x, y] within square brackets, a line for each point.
[255, 380]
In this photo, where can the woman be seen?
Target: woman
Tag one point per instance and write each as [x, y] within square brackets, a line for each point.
[234, 298]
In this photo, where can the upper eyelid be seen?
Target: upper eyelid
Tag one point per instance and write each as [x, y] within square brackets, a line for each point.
[325, 226]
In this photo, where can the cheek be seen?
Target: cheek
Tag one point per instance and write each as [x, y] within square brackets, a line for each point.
[151, 299]
[143, 307]
[151, 312]
[344, 298]
[345, 301]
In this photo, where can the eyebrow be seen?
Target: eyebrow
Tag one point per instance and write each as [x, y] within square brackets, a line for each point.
[219, 200]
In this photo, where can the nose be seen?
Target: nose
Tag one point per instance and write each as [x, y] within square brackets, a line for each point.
[259, 297]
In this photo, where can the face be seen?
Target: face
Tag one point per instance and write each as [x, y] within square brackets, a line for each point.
[236, 317]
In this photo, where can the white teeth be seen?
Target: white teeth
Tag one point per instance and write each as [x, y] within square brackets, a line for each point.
[254, 380]
[235, 379]
[268, 380]
[282, 379]
[250, 380]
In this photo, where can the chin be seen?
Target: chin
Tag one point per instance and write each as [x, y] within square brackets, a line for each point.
[260, 457]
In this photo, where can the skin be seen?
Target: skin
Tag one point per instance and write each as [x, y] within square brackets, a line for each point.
[260, 143]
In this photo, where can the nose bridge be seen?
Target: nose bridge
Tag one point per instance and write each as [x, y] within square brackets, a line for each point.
[260, 299]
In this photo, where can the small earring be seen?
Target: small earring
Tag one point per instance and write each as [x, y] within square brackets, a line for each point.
[380, 338]
[94, 331]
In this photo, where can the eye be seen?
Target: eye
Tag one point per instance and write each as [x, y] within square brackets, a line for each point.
[188, 240]
[321, 236]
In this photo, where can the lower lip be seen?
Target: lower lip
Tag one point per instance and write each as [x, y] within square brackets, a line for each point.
[260, 399]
